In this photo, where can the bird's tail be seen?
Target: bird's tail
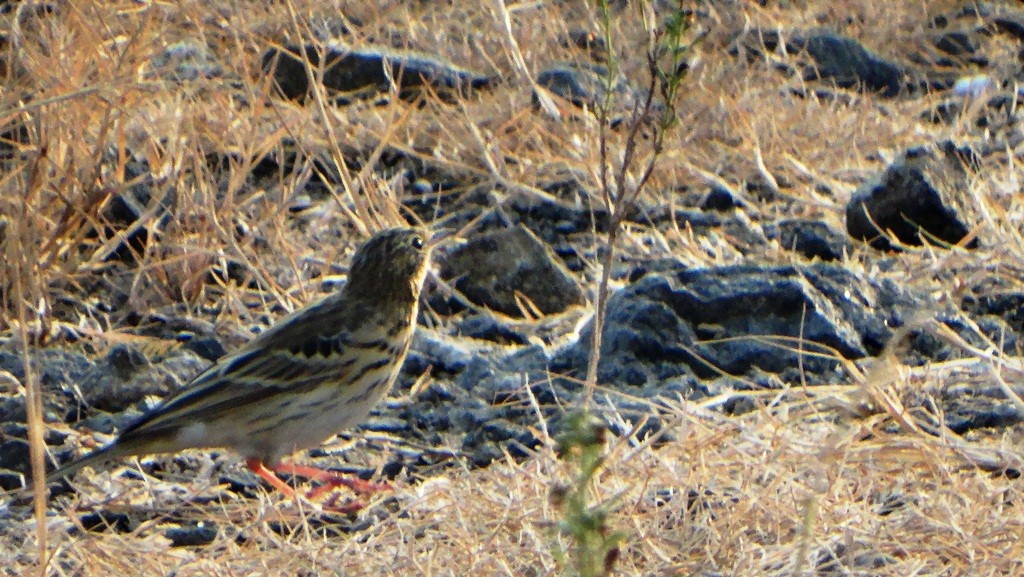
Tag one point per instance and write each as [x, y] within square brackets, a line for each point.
[111, 451]
[107, 453]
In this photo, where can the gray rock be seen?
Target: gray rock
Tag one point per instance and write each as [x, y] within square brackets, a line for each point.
[126, 360]
[924, 193]
[192, 534]
[586, 85]
[490, 328]
[1000, 302]
[104, 388]
[364, 72]
[832, 57]
[497, 268]
[720, 199]
[845, 558]
[143, 198]
[589, 42]
[958, 43]
[186, 60]
[813, 239]
[446, 355]
[1000, 111]
[707, 321]
[55, 370]
[847, 63]
[968, 413]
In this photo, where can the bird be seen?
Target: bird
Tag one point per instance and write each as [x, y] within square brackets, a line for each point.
[312, 375]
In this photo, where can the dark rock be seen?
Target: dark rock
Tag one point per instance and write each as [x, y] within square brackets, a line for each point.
[944, 112]
[14, 455]
[102, 521]
[437, 392]
[186, 60]
[922, 194]
[385, 425]
[20, 430]
[732, 319]
[126, 360]
[365, 72]
[553, 219]
[813, 239]
[13, 138]
[847, 63]
[851, 558]
[890, 502]
[12, 407]
[11, 480]
[41, 9]
[586, 85]
[431, 420]
[999, 111]
[958, 43]
[287, 158]
[52, 366]
[641, 420]
[489, 328]
[55, 370]
[754, 44]
[834, 58]
[103, 388]
[241, 481]
[394, 467]
[208, 348]
[192, 535]
[993, 329]
[484, 454]
[511, 270]
[501, 380]
[972, 10]
[590, 42]
[444, 355]
[720, 199]
[967, 412]
[109, 423]
[141, 199]
[1008, 306]
[735, 226]
[1011, 24]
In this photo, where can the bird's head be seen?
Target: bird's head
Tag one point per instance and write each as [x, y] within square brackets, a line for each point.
[391, 264]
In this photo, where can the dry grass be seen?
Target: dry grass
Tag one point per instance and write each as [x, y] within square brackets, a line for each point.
[759, 495]
[846, 472]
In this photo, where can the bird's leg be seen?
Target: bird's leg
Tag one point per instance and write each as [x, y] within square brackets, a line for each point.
[330, 480]
[256, 466]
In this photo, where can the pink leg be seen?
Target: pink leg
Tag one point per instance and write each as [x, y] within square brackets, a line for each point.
[330, 480]
[256, 466]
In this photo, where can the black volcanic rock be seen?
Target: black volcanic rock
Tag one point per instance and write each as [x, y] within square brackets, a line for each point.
[365, 72]
[924, 193]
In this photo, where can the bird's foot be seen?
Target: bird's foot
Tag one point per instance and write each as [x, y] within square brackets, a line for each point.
[328, 479]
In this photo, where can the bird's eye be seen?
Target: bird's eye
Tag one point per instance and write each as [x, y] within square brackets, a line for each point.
[417, 242]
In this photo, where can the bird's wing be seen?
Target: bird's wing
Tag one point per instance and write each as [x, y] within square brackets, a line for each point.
[299, 353]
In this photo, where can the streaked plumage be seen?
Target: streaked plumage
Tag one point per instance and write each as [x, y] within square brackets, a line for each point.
[315, 373]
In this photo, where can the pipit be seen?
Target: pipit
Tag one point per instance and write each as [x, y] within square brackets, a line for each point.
[315, 373]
